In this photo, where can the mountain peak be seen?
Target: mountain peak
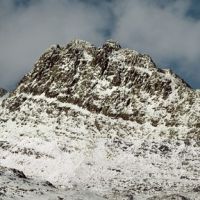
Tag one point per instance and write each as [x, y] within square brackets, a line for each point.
[109, 80]
[99, 79]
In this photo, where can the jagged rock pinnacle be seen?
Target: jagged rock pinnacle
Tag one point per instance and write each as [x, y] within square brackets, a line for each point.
[110, 45]
[81, 44]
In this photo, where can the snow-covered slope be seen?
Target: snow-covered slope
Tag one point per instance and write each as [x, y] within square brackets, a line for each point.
[104, 120]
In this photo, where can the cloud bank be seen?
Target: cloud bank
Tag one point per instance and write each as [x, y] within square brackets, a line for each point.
[163, 30]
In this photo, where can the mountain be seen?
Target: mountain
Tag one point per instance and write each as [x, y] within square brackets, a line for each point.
[104, 120]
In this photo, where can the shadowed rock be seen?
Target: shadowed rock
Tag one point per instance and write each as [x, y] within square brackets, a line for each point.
[2, 92]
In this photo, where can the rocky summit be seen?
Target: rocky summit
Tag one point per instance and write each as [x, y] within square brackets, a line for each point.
[101, 123]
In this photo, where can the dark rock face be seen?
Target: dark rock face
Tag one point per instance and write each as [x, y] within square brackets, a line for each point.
[18, 173]
[2, 92]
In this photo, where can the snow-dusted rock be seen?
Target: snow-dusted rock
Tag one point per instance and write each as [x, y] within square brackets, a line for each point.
[2, 92]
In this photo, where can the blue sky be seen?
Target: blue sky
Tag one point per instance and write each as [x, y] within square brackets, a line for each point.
[167, 30]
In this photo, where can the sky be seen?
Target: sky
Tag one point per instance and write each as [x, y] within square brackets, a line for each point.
[167, 30]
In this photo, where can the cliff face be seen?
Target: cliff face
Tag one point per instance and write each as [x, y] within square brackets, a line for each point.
[106, 120]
